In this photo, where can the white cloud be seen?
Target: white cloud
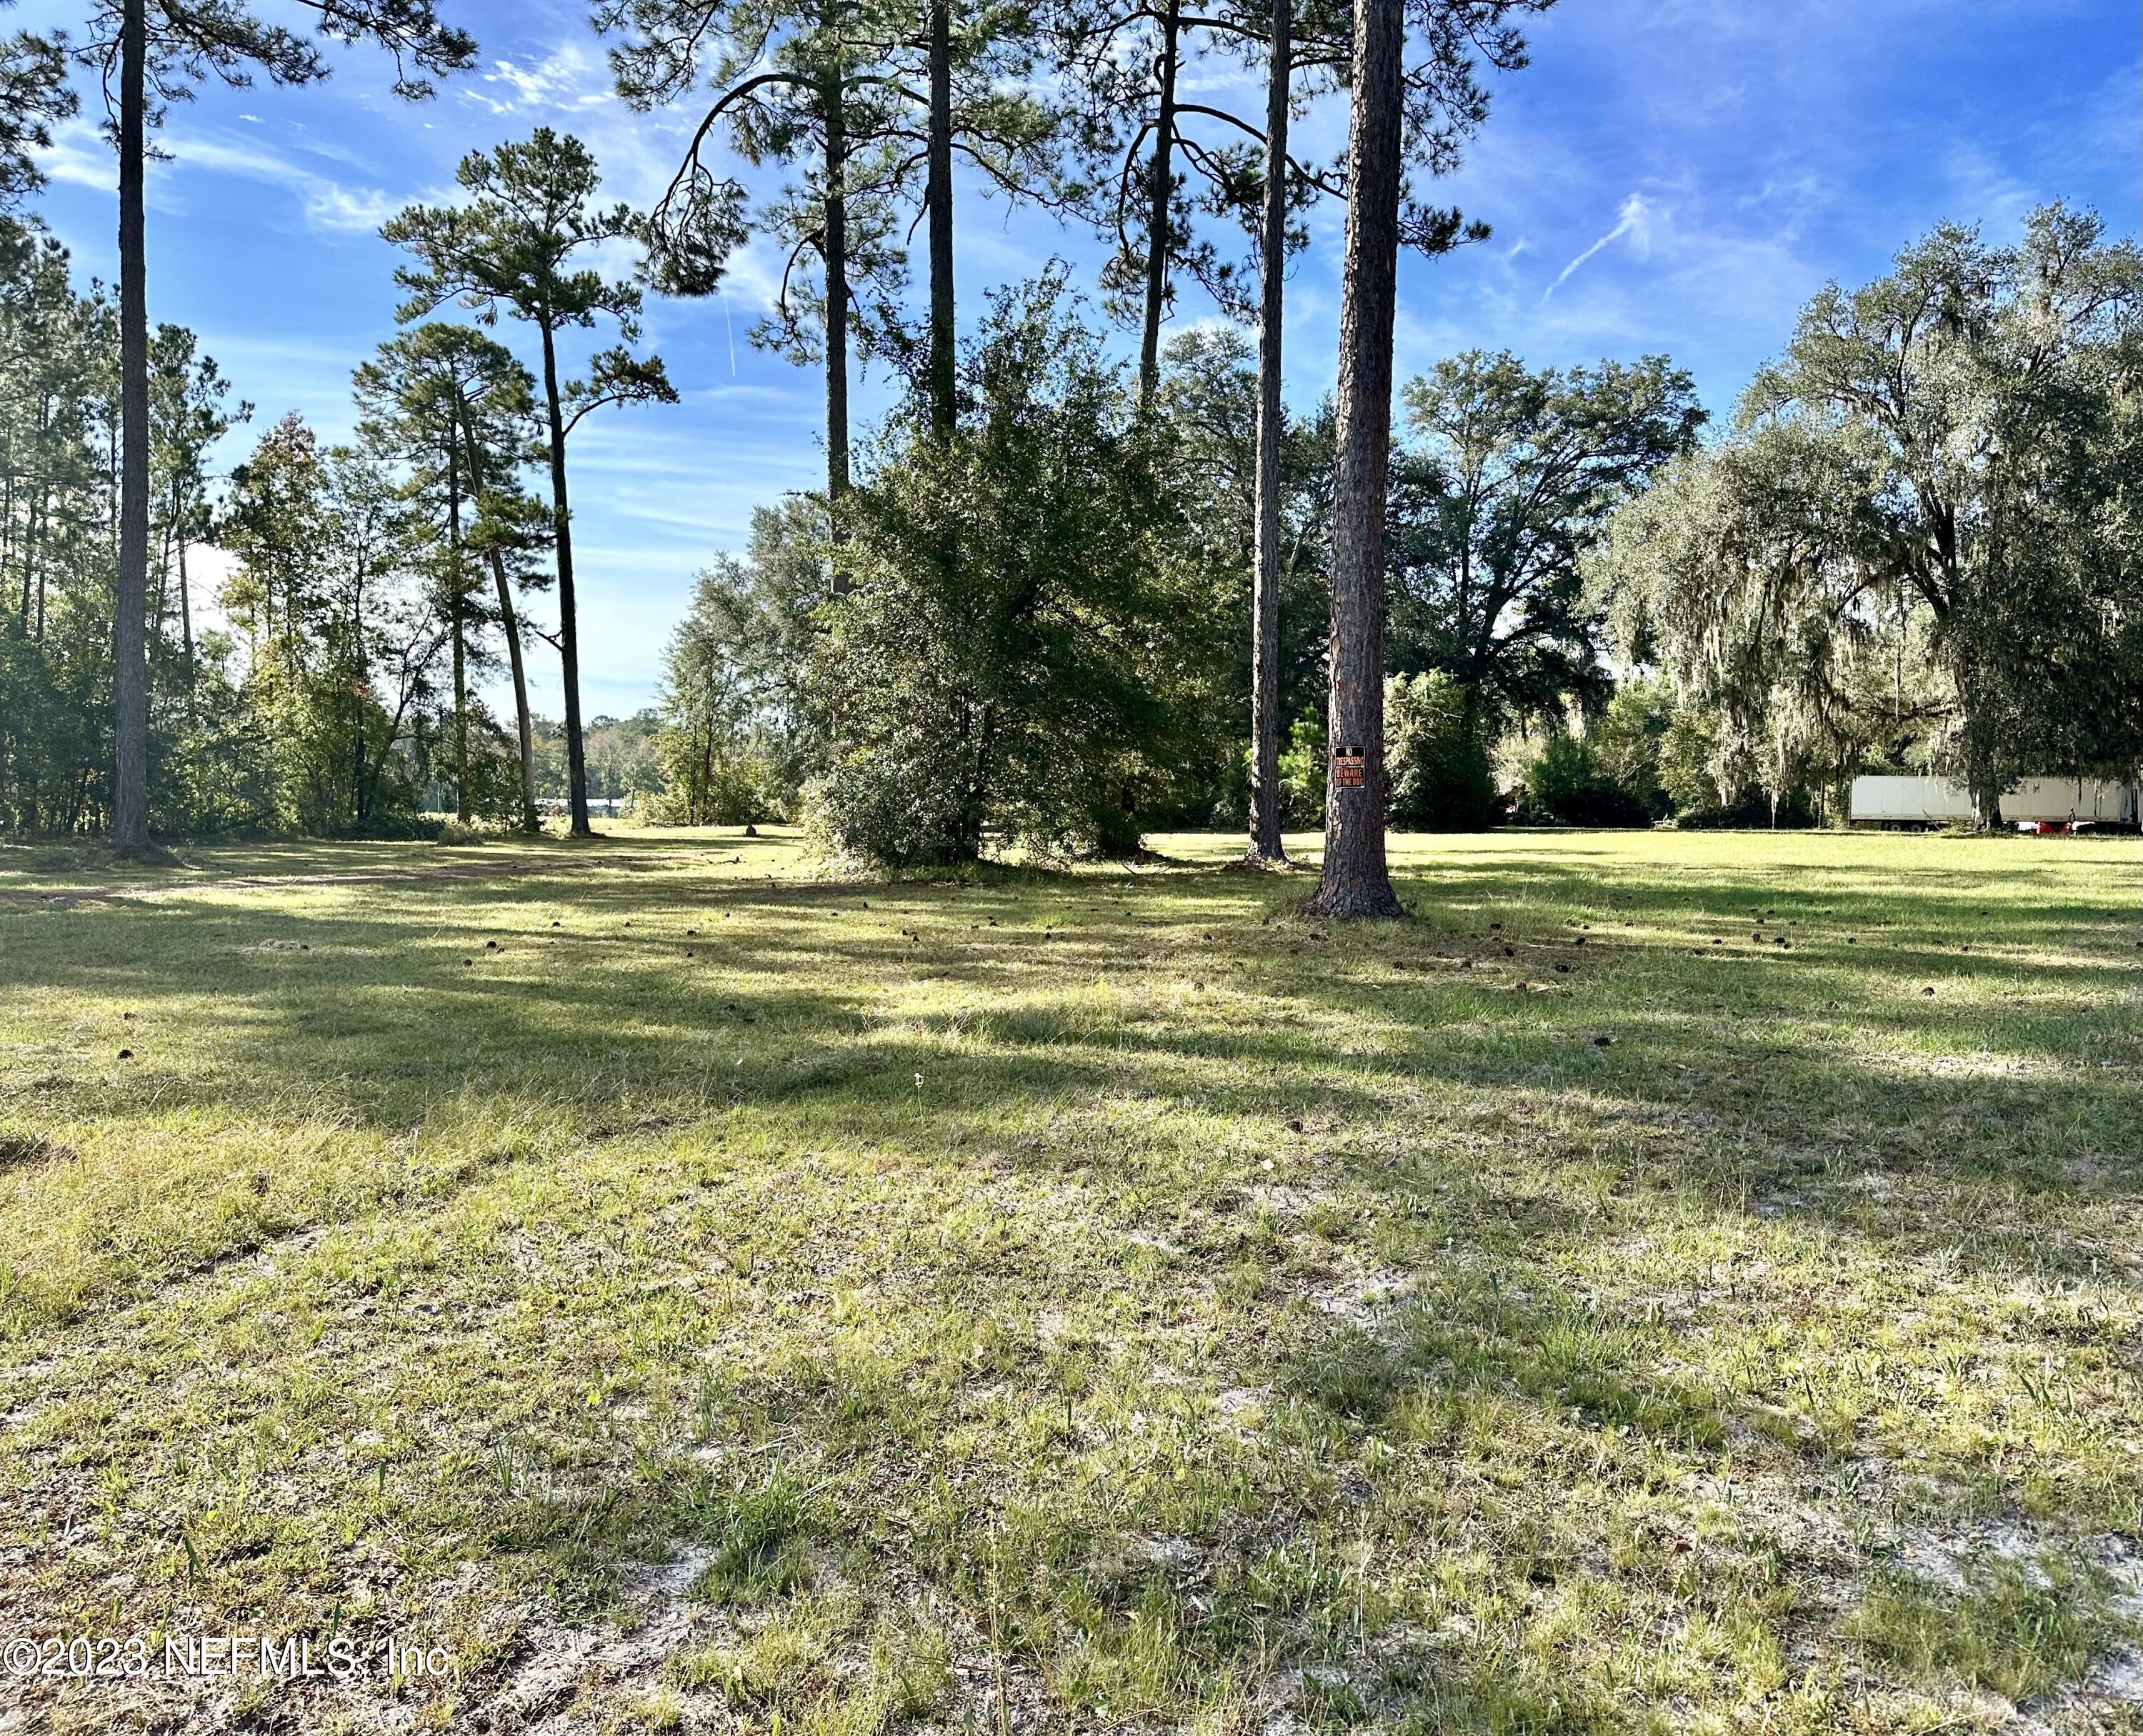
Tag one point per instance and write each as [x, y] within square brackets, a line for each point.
[1633, 218]
[570, 76]
[79, 155]
[328, 204]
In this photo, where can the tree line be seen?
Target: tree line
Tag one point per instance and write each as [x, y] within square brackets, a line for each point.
[1052, 601]
[1915, 547]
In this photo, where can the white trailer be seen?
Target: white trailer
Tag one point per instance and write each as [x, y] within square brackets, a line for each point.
[1909, 801]
[1937, 802]
[2059, 800]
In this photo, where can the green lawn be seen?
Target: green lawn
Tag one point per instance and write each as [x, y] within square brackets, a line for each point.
[701, 1294]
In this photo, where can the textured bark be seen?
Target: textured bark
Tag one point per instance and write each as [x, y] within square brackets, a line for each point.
[837, 292]
[1356, 881]
[129, 673]
[186, 625]
[460, 619]
[33, 548]
[569, 638]
[1265, 846]
[835, 252]
[943, 404]
[1158, 186]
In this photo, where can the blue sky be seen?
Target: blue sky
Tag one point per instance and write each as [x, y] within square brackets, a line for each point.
[1672, 176]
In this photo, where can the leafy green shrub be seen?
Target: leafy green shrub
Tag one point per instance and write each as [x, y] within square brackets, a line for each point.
[1018, 655]
[1434, 758]
[1626, 744]
[1567, 786]
[1302, 773]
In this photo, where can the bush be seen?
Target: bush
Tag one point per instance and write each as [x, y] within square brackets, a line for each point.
[1302, 773]
[1567, 786]
[724, 783]
[1434, 757]
[1021, 654]
[1627, 743]
[899, 805]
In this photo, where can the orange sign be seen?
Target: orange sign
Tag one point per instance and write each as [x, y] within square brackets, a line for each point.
[1346, 769]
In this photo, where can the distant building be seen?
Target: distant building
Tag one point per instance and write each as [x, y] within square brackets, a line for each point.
[2034, 801]
[610, 807]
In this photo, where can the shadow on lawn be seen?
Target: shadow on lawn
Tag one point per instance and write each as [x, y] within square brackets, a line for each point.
[1383, 1066]
[1741, 1073]
[652, 987]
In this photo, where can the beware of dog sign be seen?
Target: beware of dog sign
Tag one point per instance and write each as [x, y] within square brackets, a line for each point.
[1347, 772]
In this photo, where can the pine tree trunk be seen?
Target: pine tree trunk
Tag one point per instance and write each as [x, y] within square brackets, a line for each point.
[129, 674]
[837, 292]
[29, 561]
[161, 609]
[1160, 186]
[460, 715]
[835, 242]
[461, 635]
[360, 797]
[569, 638]
[1355, 881]
[1265, 845]
[510, 624]
[186, 626]
[943, 388]
[33, 543]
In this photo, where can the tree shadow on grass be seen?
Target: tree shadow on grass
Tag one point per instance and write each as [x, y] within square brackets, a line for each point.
[375, 1014]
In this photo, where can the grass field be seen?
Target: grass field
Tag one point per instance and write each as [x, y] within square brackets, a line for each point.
[1677, 1283]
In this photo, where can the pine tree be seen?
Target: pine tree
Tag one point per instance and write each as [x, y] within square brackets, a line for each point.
[150, 53]
[457, 408]
[513, 249]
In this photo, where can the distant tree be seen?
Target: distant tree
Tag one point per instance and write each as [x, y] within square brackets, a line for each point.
[327, 591]
[1628, 743]
[1749, 576]
[33, 95]
[57, 404]
[187, 416]
[512, 247]
[625, 758]
[760, 619]
[1565, 785]
[1982, 382]
[55, 354]
[723, 704]
[1440, 777]
[1953, 441]
[1041, 684]
[1209, 400]
[1511, 476]
[148, 54]
[455, 408]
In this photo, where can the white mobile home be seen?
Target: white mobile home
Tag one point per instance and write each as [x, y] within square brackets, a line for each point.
[1937, 802]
